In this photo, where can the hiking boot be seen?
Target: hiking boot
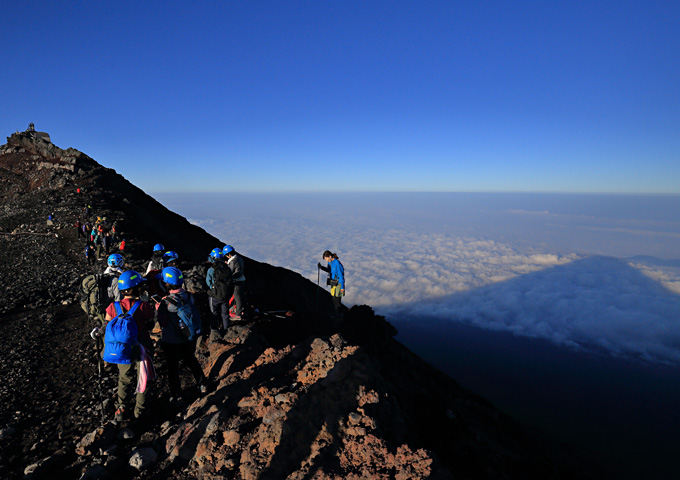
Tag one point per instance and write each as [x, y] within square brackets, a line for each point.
[120, 415]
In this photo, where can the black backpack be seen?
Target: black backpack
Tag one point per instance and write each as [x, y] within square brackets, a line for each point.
[223, 287]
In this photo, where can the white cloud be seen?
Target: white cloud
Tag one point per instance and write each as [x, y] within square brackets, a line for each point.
[501, 269]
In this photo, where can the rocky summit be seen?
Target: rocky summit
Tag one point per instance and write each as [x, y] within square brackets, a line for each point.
[292, 392]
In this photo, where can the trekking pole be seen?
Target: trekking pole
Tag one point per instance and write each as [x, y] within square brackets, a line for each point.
[99, 372]
[99, 346]
[318, 277]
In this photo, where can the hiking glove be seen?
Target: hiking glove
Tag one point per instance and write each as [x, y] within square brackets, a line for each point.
[95, 333]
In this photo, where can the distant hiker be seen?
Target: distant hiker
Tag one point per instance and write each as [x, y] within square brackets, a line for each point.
[180, 323]
[79, 228]
[128, 352]
[235, 263]
[221, 288]
[114, 233]
[89, 254]
[78, 190]
[121, 247]
[336, 278]
[156, 262]
[98, 243]
[106, 241]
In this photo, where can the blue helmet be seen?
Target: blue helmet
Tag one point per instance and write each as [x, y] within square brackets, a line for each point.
[158, 247]
[172, 276]
[115, 260]
[129, 280]
[227, 249]
[216, 255]
[170, 257]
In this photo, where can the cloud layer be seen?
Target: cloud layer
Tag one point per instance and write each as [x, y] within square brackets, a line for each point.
[524, 270]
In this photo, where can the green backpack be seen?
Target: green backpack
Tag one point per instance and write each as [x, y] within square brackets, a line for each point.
[94, 295]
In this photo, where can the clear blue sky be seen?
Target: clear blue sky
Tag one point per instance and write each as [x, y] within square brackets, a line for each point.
[372, 96]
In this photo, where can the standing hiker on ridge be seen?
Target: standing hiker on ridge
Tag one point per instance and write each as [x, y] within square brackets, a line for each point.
[221, 288]
[235, 263]
[336, 279]
[177, 341]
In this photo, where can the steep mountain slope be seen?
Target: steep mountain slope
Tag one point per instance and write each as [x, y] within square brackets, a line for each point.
[293, 395]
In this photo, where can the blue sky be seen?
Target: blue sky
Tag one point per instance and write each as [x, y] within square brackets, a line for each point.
[354, 96]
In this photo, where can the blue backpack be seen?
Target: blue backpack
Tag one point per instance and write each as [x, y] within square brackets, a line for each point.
[189, 318]
[121, 336]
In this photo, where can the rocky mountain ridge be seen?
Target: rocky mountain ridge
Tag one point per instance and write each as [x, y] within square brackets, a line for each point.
[293, 396]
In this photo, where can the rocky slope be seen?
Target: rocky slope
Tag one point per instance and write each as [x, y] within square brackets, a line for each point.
[292, 395]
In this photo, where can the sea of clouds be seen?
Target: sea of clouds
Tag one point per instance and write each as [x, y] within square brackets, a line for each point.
[587, 272]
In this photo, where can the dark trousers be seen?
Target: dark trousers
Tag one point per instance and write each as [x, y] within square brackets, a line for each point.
[220, 314]
[176, 352]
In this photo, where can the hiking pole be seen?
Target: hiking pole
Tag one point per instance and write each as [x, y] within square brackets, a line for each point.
[99, 372]
[99, 346]
[318, 278]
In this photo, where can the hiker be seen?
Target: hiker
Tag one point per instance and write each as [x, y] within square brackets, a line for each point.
[98, 245]
[79, 228]
[114, 269]
[221, 288]
[170, 259]
[156, 262]
[235, 263]
[131, 286]
[106, 241]
[89, 254]
[178, 346]
[336, 278]
[121, 247]
[114, 233]
[115, 263]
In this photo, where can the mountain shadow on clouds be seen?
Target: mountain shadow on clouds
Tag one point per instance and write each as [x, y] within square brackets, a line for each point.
[596, 304]
[560, 349]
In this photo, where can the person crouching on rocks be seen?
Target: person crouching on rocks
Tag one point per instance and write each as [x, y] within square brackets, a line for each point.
[336, 279]
[176, 343]
[131, 287]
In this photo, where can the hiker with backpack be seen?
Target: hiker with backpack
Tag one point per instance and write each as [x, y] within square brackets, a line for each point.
[126, 341]
[221, 288]
[180, 323]
[235, 263]
[156, 262]
[336, 278]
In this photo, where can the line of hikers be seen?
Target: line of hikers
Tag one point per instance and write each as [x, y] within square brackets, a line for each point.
[100, 238]
[127, 305]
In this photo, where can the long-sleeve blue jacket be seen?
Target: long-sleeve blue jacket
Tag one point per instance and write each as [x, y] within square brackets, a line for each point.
[337, 272]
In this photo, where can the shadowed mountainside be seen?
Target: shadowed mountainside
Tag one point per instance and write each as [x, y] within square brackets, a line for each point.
[292, 396]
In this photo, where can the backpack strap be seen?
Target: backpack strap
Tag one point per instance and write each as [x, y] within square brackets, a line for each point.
[134, 307]
[119, 308]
